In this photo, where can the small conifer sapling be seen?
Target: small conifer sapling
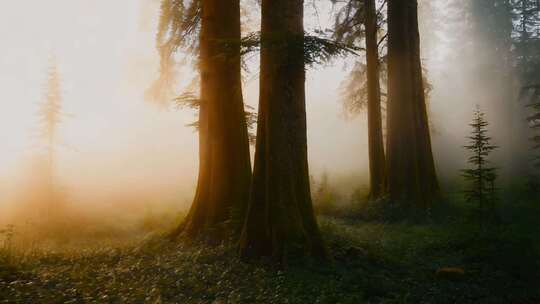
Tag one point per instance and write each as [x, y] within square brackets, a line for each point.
[481, 176]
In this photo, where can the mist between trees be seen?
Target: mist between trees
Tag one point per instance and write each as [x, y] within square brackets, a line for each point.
[466, 54]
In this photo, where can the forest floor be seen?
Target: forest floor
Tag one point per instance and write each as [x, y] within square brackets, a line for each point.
[374, 262]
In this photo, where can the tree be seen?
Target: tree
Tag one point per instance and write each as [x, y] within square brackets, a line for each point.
[482, 177]
[356, 21]
[533, 95]
[361, 22]
[527, 40]
[527, 36]
[50, 116]
[224, 160]
[377, 162]
[280, 221]
[410, 165]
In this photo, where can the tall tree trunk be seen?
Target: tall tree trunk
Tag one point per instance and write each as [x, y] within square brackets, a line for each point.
[377, 164]
[224, 160]
[411, 170]
[280, 220]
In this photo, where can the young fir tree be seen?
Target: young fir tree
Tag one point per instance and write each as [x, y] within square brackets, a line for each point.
[481, 176]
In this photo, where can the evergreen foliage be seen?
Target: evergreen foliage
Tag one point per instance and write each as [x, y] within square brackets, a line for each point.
[533, 93]
[189, 100]
[527, 49]
[349, 29]
[317, 47]
[482, 175]
[527, 40]
[178, 28]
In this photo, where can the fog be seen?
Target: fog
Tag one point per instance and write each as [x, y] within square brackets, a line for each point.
[468, 69]
[123, 156]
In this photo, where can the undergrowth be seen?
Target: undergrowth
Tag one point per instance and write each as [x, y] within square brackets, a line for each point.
[377, 258]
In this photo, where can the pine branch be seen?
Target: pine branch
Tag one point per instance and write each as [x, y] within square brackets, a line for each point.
[317, 50]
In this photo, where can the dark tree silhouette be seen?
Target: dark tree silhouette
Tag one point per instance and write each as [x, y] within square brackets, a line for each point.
[280, 220]
[410, 165]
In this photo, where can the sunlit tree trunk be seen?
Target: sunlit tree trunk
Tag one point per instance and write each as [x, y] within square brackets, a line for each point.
[375, 135]
[280, 220]
[224, 165]
[411, 170]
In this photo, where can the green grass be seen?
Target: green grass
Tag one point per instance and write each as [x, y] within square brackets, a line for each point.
[376, 260]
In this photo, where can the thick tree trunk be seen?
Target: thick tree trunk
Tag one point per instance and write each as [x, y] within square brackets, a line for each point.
[377, 165]
[280, 220]
[225, 168]
[411, 170]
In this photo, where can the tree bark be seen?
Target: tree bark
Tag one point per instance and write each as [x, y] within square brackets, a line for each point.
[411, 171]
[280, 220]
[224, 159]
[377, 163]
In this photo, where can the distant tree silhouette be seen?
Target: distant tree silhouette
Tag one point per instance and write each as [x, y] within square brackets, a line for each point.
[363, 22]
[526, 36]
[533, 93]
[527, 52]
[481, 176]
[324, 196]
[50, 116]
[359, 21]
[499, 30]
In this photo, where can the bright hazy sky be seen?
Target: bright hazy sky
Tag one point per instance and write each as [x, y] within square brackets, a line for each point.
[116, 144]
[106, 57]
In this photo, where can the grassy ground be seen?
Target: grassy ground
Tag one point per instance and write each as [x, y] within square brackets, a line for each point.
[375, 261]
